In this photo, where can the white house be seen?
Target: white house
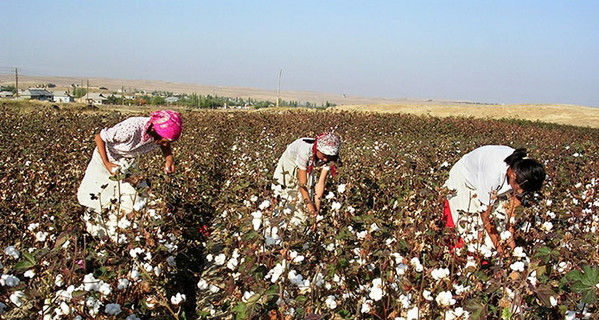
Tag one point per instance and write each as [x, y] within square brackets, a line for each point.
[6, 94]
[93, 98]
[62, 96]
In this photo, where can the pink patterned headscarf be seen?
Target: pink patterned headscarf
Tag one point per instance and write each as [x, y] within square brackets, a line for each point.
[167, 123]
[328, 143]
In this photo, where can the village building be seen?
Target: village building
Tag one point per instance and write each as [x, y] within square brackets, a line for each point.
[93, 98]
[6, 94]
[62, 96]
[36, 94]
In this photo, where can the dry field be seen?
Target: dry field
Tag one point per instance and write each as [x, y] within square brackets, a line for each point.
[553, 113]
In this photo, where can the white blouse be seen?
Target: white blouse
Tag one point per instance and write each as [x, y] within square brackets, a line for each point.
[486, 172]
[128, 139]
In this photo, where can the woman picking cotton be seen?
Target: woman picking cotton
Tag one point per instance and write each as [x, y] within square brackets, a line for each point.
[117, 150]
[488, 183]
[295, 175]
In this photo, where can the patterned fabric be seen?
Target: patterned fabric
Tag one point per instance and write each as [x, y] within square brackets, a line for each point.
[167, 124]
[128, 139]
[328, 143]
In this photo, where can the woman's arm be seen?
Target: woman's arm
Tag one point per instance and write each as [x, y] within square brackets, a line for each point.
[103, 155]
[302, 177]
[319, 188]
[169, 159]
[491, 229]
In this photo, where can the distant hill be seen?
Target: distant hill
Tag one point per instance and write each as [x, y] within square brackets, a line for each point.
[561, 114]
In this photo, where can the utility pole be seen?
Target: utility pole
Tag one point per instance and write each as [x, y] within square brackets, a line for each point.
[279, 87]
[87, 92]
[17, 81]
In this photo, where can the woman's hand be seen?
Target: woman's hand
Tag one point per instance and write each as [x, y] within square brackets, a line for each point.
[169, 166]
[312, 209]
[112, 168]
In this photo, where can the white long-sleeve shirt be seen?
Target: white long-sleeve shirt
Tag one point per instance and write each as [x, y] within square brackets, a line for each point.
[485, 171]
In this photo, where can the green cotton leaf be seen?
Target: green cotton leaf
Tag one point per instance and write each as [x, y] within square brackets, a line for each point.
[24, 264]
[301, 299]
[240, 311]
[574, 275]
[477, 310]
[543, 253]
[544, 293]
[592, 274]
[29, 257]
[589, 297]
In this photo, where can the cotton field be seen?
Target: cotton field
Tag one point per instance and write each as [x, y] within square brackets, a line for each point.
[213, 243]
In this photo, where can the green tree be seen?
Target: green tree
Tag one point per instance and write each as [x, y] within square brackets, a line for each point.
[79, 92]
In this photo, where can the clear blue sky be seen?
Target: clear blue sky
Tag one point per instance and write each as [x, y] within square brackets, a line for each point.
[510, 51]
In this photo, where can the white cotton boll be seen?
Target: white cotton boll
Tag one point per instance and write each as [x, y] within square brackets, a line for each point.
[335, 206]
[517, 266]
[440, 273]
[148, 267]
[59, 281]
[401, 269]
[376, 292]
[330, 195]
[486, 251]
[366, 306]
[445, 298]
[505, 235]
[214, 289]
[426, 294]
[532, 278]
[553, 301]
[135, 252]
[362, 234]
[413, 314]
[265, 204]
[33, 226]
[374, 227]
[330, 302]
[256, 223]
[104, 288]
[29, 274]
[415, 263]
[203, 284]
[158, 271]
[547, 226]
[254, 198]
[123, 284]
[232, 264]
[17, 298]
[519, 252]
[171, 261]
[178, 298]
[275, 272]
[247, 296]
[295, 257]
[132, 317]
[459, 289]
[90, 283]
[330, 247]
[12, 251]
[115, 169]
[220, 259]
[124, 223]
[341, 188]
[112, 309]
[9, 280]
